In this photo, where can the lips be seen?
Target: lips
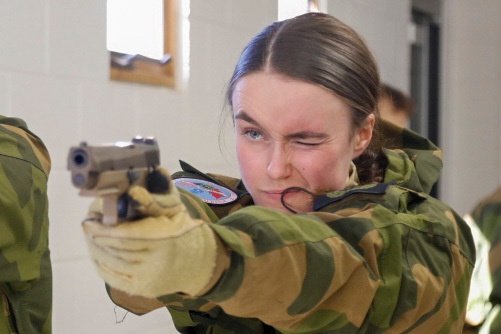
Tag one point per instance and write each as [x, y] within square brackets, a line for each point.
[277, 194]
[273, 194]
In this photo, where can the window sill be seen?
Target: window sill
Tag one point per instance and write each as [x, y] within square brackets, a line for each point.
[146, 73]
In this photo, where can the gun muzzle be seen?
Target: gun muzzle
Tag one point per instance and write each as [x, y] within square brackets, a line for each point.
[87, 163]
[79, 160]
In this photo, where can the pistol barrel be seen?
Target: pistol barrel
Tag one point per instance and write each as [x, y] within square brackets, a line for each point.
[86, 162]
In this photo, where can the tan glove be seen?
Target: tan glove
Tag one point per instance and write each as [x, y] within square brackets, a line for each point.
[166, 252]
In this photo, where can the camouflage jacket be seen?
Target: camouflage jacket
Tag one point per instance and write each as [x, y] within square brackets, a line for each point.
[25, 267]
[377, 258]
[485, 297]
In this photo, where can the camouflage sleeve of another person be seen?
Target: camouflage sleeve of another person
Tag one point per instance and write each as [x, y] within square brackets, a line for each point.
[25, 267]
[478, 308]
[487, 216]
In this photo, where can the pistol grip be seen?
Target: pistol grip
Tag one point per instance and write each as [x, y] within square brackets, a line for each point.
[110, 212]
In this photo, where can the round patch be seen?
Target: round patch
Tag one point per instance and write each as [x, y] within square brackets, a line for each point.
[207, 191]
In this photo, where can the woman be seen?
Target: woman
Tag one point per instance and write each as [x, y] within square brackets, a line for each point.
[327, 231]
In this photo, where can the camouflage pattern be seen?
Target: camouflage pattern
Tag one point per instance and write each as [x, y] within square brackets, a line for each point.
[378, 258]
[486, 217]
[25, 267]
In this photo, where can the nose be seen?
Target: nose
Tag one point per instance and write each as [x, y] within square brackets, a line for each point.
[279, 165]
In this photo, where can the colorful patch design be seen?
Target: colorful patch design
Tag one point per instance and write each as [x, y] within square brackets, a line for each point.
[209, 192]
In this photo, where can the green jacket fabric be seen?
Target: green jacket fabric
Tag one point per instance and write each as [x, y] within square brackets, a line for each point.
[25, 267]
[376, 258]
[485, 296]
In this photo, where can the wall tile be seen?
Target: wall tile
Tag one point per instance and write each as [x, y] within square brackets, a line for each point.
[49, 105]
[23, 35]
[77, 39]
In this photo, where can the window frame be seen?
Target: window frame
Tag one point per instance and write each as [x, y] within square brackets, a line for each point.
[150, 72]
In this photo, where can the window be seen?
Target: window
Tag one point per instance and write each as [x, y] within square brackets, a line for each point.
[142, 40]
[291, 8]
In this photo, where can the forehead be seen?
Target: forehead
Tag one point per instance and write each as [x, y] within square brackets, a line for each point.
[275, 97]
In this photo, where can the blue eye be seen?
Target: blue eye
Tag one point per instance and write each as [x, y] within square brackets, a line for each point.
[253, 134]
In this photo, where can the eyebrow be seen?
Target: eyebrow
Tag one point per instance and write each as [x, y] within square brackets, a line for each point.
[242, 115]
[246, 117]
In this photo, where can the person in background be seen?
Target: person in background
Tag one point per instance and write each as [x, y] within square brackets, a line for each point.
[25, 265]
[395, 106]
[484, 301]
[330, 228]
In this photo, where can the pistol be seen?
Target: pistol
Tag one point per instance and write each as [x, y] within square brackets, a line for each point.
[108, 171]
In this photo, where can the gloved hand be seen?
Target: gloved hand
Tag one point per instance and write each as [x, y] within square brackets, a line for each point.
[165, 252]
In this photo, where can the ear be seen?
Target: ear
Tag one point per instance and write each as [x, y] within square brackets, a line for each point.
[363, 135]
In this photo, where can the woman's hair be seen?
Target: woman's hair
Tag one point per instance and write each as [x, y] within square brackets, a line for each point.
[319, 49]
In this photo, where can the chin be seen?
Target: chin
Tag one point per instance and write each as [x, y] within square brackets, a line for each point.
[284, 210]
[277, 205]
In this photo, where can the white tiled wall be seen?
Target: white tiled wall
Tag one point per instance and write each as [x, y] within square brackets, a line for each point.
[54, 74]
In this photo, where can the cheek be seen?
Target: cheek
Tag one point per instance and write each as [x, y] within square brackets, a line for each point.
[327, 172]
[248, 160]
